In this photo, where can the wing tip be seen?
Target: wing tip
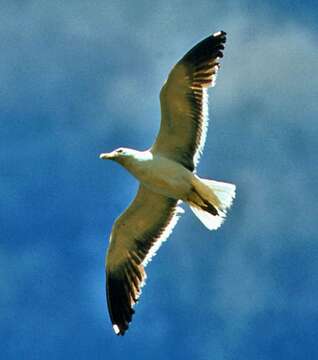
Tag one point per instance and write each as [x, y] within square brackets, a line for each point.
[220, 37]
[210, 48]
[119, 331]
[220, 34]
[119, 301]
[116, 329]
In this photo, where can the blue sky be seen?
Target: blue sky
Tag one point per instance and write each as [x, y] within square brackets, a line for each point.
[80, 78]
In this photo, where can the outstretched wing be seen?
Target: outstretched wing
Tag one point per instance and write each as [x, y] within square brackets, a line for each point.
[183, 99]
[136, 236]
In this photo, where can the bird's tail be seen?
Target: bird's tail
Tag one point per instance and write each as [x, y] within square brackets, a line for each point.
[210, 201]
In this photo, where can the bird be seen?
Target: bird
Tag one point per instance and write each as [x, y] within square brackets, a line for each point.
[167, 177]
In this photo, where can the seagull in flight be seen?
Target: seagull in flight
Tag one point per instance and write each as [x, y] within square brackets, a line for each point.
[167, 177]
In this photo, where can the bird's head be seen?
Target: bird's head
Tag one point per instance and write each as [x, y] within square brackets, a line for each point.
[118, 155]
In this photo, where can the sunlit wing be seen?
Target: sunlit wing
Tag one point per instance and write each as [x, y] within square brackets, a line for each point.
[183, 99]
[136, 236]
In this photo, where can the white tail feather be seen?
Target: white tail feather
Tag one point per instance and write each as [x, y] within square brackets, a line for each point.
[225, 192]
[216, 193]
[212, 222]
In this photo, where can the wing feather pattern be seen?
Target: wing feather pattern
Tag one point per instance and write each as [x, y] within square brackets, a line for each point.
[136, 236]
[183, 99]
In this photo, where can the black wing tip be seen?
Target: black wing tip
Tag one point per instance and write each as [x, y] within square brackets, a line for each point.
[120, 327]
[210, 47]
[120, 330]
[219, 34]
[119, 303]
[220, 37]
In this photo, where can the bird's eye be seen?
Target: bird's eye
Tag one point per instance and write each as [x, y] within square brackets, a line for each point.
[120, 151]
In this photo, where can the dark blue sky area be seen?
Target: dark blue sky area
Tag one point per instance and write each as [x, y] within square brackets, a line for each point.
[80, 78]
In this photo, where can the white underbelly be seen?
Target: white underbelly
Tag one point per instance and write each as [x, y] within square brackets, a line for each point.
[167, 178]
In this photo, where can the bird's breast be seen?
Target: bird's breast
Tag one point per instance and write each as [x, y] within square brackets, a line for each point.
[164, 176]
